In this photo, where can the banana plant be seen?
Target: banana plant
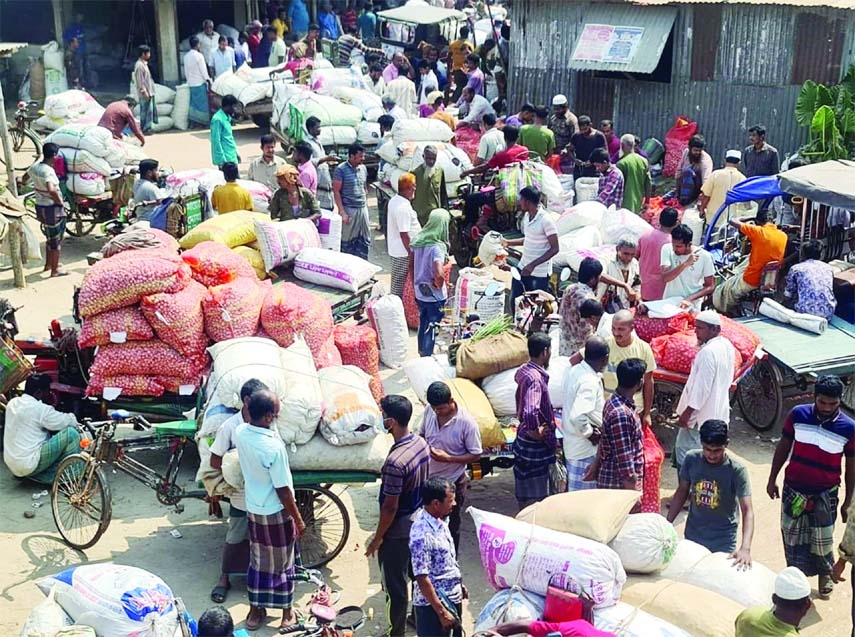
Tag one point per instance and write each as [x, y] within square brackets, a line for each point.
[828, 112]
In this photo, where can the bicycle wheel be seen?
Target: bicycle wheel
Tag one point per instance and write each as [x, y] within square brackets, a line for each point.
[760, 397]
[327, 525]
[26, 149]
[81, 502]
[80, 222]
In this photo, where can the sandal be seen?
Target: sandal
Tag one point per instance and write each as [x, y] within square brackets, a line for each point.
[253, 626]
[219, 592]
[826, 586]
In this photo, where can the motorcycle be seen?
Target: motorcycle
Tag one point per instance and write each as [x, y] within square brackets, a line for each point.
[475, 213]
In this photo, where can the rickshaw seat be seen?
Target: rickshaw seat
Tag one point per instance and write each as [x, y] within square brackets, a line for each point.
[182, 428]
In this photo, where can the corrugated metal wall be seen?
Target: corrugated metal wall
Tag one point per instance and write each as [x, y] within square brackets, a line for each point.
[753, 68]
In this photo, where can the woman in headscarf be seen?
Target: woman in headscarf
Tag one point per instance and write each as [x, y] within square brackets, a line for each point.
[291, 200]
[430, 252]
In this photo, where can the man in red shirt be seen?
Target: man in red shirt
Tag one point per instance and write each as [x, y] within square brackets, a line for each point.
[512, 154]
[650, 254]
[253, 36]
[118, 116]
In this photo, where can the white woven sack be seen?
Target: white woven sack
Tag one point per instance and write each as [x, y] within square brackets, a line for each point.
[451, 159]
[386, 313]
[93, 139]
[629, 621]
[585, 213]
[333, 269]
[501, 390]
[421, 130]
[646, 543]
[337, 136]
[368, 133]
[510, 605]
[329, 230]
[228, 31]
[163, 94]
[327, 109]
[69, 104]
[350, 414]
[300, 411]
[181, 107]
[87, 184]
[421, 372]
[81, 161]
[622, 224]
[575, 240]
[53, 56]
[320, 455]
[281, 241]
[232, 473]
[557, 366]
[164, 123]
[515, 553]
[238, 360]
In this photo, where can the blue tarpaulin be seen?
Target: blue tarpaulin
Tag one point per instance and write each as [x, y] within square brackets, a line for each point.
[764, 188]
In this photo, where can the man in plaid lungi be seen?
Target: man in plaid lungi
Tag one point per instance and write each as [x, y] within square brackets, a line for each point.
[815, 438]
[275, 523]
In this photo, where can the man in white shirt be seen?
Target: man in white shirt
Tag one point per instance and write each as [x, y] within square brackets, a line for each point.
[278, 48]
[492, 139]
[377, 84]
[393, 110]
[428, 82]
[473, 107]
[539, 245]
[583, 412]
[198, 78]
[223, 57]
[688, 272]
[706, 395]
[208, 40]
[402, 226]
[263, 169]
[37, 437]
[236, 549]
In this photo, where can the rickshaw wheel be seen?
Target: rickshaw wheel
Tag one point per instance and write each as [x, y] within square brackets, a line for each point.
[666, 395]
[759, 396]
[327, 525]
[81, 502]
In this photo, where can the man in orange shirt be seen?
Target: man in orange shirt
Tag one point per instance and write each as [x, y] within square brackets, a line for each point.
[459, 49]
[768, 243]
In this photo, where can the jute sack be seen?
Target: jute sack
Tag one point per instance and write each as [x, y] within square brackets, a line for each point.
[668, 600]
[491, 355]
[469, 396]
[596, 514]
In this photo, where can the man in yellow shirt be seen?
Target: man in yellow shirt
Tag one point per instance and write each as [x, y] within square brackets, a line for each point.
[715, 189]
[231, 196]
[280, 23]
[459, 49]
[791, 602]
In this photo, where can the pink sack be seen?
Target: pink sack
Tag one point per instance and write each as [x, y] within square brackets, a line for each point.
[178, 319]
[119, 325]
[676, 141]
[213, 264]
[232, 309]
[467, 140]
[149, 358]
[124, 279]
[290, 310]
[140, 239]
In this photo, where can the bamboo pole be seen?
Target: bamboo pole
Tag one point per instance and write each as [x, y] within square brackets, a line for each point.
[16, 238]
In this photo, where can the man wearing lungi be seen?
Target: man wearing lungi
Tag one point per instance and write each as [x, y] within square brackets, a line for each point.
[815, 438]
[274, 521]
[50, 210]
[534, 448]
[350, 183]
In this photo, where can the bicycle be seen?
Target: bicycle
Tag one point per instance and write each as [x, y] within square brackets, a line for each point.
[26, 143]
[323, 620]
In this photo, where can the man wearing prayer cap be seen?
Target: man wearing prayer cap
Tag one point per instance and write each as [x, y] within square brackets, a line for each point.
[706, 395]
[563, 125]
[791, 602]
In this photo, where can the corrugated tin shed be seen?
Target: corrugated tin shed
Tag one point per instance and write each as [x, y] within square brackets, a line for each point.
[10, 48]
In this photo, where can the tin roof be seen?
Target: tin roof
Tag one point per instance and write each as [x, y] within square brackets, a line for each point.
[8, 48]
[834, 4]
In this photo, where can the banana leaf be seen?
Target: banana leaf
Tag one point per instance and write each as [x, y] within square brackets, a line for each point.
[826, 140]
[810, 99]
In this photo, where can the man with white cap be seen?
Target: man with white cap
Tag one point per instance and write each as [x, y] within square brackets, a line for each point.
[716, 187]
[706, 395]
[563, 125]
[791, 602]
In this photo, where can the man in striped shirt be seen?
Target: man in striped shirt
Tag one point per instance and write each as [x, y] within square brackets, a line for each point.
[403, 473]
[815, 439]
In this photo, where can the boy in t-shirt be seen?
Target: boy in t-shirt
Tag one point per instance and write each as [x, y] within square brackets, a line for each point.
[716, 485]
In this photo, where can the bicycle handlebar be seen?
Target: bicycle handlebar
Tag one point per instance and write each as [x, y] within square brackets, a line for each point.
[92, 426]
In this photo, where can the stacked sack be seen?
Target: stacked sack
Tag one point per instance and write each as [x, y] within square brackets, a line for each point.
[164, 103]
[247, 84]
[91, 155]
[236, 231]
[132, 356]
[69, 107]
[211, 178]
[357, 346]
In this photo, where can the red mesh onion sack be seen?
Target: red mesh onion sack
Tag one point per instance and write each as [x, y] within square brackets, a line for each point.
[213, 264]
[467, 139]
[411, 307]
[654, 456]
[232, 309]
[289, 310]
[140, 239]
[127, 323]
[676, 141]
[358, 346]
[328, 355]
[178, 319]
[649, 328]
[743, 339]
[131, 385]
[675, 351]
[149, 358]
[126, 278]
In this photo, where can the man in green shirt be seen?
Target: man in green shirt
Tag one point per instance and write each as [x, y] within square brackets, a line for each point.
[791, 602]
[636, 175]
[223, 148]
[537, 137]
[430, 186]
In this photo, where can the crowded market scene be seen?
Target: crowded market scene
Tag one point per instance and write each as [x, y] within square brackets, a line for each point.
[427, 318]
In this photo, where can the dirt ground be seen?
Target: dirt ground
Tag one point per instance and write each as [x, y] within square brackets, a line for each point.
[140, 531]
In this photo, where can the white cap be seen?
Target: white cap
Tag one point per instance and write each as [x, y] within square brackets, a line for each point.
[733, 155]
[791, 584]
[559, 100]
[710, 317]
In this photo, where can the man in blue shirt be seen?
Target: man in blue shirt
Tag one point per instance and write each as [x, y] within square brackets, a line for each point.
[298, 14]
[223, 148]
[367, 23]
[275, 523]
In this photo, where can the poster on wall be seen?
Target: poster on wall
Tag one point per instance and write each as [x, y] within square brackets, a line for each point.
[607, 43]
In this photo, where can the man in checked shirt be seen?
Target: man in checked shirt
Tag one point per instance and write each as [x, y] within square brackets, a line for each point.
[620, 454]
